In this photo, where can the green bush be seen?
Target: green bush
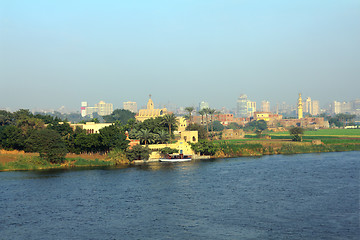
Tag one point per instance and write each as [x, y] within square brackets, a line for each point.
[205, 147]
[168, 150]
[138, 152]
[118, 157]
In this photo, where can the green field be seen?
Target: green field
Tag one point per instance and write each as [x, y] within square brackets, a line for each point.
[326, 132]
[327, 136]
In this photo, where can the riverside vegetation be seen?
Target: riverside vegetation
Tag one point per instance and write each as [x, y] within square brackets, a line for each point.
[31, 142]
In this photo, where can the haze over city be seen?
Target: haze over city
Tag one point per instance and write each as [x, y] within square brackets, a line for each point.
[59, 53]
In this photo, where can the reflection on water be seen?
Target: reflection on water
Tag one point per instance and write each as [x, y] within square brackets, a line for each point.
[309, 196]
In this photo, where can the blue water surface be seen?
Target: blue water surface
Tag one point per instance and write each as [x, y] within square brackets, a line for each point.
[307, 196]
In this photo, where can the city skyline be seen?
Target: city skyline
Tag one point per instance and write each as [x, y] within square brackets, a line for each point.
[59, 53]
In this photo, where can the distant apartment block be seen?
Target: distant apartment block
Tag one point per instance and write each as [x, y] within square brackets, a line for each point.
[251, 108]
[241, 106]
[352, 107]
[311, 106]
[315, 108]
[244, 107]
[100, 108]
[131, 106]
[265, 106]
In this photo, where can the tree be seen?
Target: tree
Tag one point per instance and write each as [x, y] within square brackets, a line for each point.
[154, 125]
[112, 137]
[170, 120]
[207, 112]
[202, 113]
[121, 115]
[257, 126]
[163, 136]
[89, 143]
[211, 113]
[202, 133]
[168, 150]
[11, 137]
[204, 147]
[130, 125]
[145, 136]
[216, 126]
[190, 110]
[233, 125]
[66, 132]
[48, 144]
[22, 113]
[296, 133]
[6, 118]
[137, 152]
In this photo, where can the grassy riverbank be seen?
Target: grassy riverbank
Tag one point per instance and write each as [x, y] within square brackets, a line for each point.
[332, 140]
[17, 160]
[269, 147]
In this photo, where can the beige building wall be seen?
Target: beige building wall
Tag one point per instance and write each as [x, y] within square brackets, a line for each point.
[190, 136]
[233, 134]
[91, 127]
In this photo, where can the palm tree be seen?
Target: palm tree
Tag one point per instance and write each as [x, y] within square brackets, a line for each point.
[212, 111]
[145, 136]
[202, 113]
[190, 110]
[207, 112]
[163, 136]
[169, 120]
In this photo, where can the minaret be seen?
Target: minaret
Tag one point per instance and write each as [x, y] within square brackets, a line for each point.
[300, 108]
[150, 104]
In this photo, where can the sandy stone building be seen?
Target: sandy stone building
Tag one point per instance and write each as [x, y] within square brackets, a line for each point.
[150, 112]
[233, 134]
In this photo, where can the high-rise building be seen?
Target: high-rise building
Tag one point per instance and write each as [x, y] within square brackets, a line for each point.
[131, 106]
[203, 105]
[251, 108]
[265, 106]
[336, 107]
[83, 108]
[346, 107]
[100, 108]
[315, 108]
[356, 106]
[241, 106]
[244, 107]
[104, 108]
[308, 107]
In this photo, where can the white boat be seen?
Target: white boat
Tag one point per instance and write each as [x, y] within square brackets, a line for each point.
[176, 158]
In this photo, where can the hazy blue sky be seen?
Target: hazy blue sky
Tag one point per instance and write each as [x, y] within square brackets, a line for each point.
[55, 53]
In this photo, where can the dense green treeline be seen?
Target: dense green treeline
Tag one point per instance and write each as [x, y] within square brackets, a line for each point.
[53, 139]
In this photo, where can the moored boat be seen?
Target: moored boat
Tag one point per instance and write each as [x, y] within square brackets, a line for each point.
[176, 158]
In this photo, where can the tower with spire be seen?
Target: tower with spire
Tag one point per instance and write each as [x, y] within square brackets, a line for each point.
[300, 108]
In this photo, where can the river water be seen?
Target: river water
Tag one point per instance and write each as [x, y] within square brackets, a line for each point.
[307, 196]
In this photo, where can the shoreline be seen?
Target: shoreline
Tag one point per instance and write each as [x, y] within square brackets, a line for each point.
[227, 150]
